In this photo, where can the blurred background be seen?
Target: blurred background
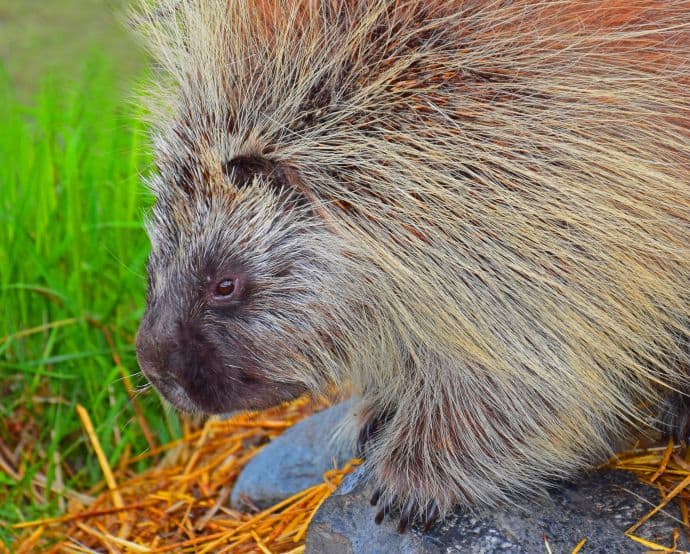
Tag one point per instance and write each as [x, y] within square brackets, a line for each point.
[55, 37]
[73, 148]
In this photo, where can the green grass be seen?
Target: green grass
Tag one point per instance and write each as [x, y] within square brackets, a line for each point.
[72, 264]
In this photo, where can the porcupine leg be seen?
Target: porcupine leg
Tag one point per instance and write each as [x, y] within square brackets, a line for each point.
[449, 446]
[372, 423]
[400, 479]
[408, 509]
[407, 453]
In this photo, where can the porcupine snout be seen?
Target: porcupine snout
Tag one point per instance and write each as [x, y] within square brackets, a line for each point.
[164, 355]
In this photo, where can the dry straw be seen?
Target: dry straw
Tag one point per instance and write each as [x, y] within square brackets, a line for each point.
[180, 504]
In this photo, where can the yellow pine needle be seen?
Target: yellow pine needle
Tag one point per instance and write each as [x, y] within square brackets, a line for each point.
[579, 546]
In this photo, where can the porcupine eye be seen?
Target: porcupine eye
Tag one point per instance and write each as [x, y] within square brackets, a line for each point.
[225, 288]
[229, 291]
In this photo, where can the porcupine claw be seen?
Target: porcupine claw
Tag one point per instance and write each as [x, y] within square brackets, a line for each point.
[364, 436]
[674, 418]
[429, 515]
[385, 508]
[406, 516]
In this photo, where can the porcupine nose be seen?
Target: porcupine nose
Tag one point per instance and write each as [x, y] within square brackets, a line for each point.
[149, 350]
[154, 343]
[172, 352]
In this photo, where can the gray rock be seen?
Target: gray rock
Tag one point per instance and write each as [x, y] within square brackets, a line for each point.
[295, 460]
[599, 508]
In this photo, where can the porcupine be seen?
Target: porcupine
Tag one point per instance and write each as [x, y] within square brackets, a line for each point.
[475, 212]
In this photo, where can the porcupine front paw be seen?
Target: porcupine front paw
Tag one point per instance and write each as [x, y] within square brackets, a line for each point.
[410, 511]
[398, 466]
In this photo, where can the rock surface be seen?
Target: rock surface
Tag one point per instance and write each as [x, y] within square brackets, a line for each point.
[295, 460]
[598, 508]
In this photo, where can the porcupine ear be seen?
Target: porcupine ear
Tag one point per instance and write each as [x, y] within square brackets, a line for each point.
[241, 170]
[282, 179]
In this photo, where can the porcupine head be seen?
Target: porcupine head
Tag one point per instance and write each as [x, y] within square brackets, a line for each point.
[442, 203]
[256, 294]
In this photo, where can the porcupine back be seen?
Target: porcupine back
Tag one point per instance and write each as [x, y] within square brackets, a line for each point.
[513, 176]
